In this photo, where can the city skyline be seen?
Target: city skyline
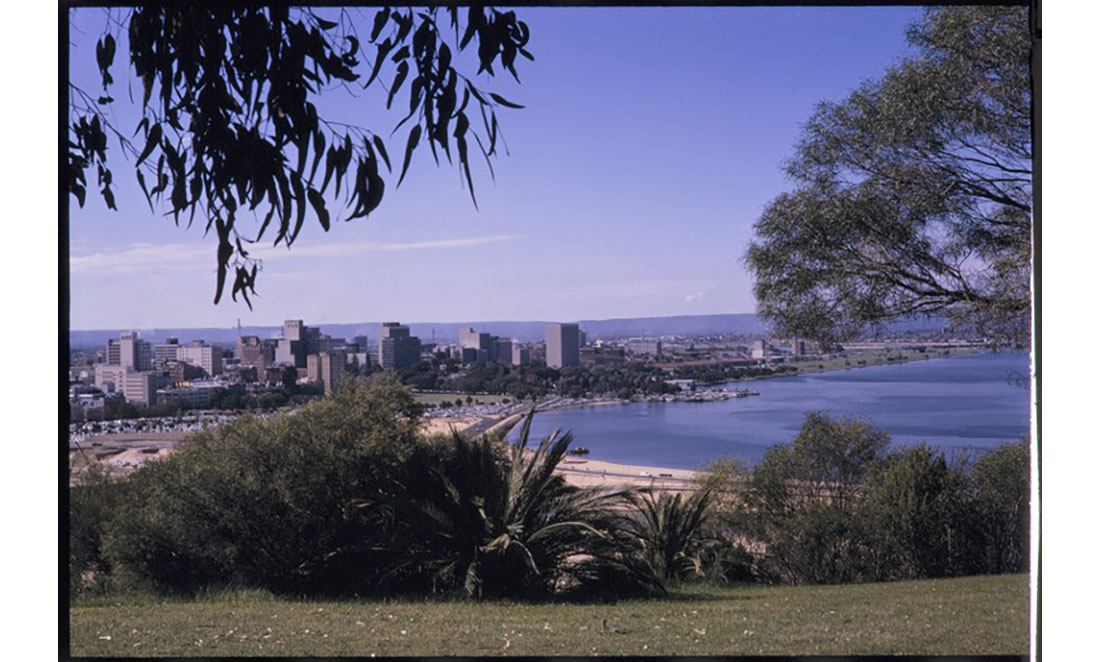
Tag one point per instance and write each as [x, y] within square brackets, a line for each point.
[634, 179]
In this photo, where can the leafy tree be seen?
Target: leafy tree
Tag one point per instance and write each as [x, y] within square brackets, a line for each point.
[1000, 482]
[486, 523]
[230, 124]
[93, 503]
[913, 195]
[803, 498]
[918, 517]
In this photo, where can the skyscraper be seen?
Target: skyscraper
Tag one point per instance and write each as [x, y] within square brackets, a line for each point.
[201, 355]
[252, 352]
[396, 348]
[130, 352]
[325, 368]
[293, 346]
[562, 345]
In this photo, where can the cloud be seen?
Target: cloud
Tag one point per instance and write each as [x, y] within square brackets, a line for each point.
[695, 295]
[359, 247]
[138, 259]
[148, 259]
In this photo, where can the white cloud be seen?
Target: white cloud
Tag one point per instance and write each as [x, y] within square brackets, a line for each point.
[137, 259]
[148, 259]
[359, 247]
[695, 295]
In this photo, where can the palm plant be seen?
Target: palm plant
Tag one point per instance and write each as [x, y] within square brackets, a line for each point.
[492, 523]
[671, 531]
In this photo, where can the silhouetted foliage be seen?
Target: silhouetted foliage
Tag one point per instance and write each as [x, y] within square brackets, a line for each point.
[913, 195]
[230, 124]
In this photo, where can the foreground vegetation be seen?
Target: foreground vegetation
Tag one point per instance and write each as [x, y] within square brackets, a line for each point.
[343, 498]
[972, 615]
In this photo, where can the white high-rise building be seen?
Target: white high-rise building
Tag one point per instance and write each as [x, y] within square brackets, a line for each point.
[562, 345]
[199, 354]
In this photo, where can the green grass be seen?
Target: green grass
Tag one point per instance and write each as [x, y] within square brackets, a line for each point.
[875, 358]
[973, 615]
[433, 399]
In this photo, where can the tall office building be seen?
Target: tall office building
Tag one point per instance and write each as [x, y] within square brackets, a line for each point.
[293, 347]
[325, 368]
[201, 355]
[396, 347]
[166, 353]
[480, 344]
[562, 345]
[520, 355]
[130, 352]
[113, 353]
[137, 387]
[500, 350]
[253, 353]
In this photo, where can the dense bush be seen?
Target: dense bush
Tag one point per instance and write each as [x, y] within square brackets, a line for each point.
[92, 506]
[269, 503]
[834, 506]
[918, 517]
[1001, 497]
[801, 500]
[344, 498]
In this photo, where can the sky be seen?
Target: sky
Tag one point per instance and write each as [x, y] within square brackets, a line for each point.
[650, 142]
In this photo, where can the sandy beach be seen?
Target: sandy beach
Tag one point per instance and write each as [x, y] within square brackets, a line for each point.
[600, 473]
[434, 426]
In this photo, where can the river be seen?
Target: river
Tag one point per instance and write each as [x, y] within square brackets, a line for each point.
[970, 403]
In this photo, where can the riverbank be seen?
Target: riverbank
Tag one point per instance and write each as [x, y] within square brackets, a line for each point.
[583, 472]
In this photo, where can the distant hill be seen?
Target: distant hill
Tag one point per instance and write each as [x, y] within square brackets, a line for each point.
[747, 324]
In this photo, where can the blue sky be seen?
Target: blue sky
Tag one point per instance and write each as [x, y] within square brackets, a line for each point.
[651, 141]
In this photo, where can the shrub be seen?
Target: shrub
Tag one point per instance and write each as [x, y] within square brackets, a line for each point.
[268, 504]
[92, 507]
[476, 520]
[670, 531]
[917, 516]
[1000, 481]
[802, 499]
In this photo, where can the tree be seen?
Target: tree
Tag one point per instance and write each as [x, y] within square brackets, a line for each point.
[1000, 482]
[918, 517]
[913, 195]
[803, 499]
[229, 122]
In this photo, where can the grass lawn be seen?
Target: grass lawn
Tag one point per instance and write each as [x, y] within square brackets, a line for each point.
[973, 615]
[876, 358]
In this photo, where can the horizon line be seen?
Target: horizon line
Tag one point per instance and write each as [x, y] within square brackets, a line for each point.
[467, 321]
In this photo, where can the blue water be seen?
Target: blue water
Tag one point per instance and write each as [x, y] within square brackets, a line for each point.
[970, 403]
